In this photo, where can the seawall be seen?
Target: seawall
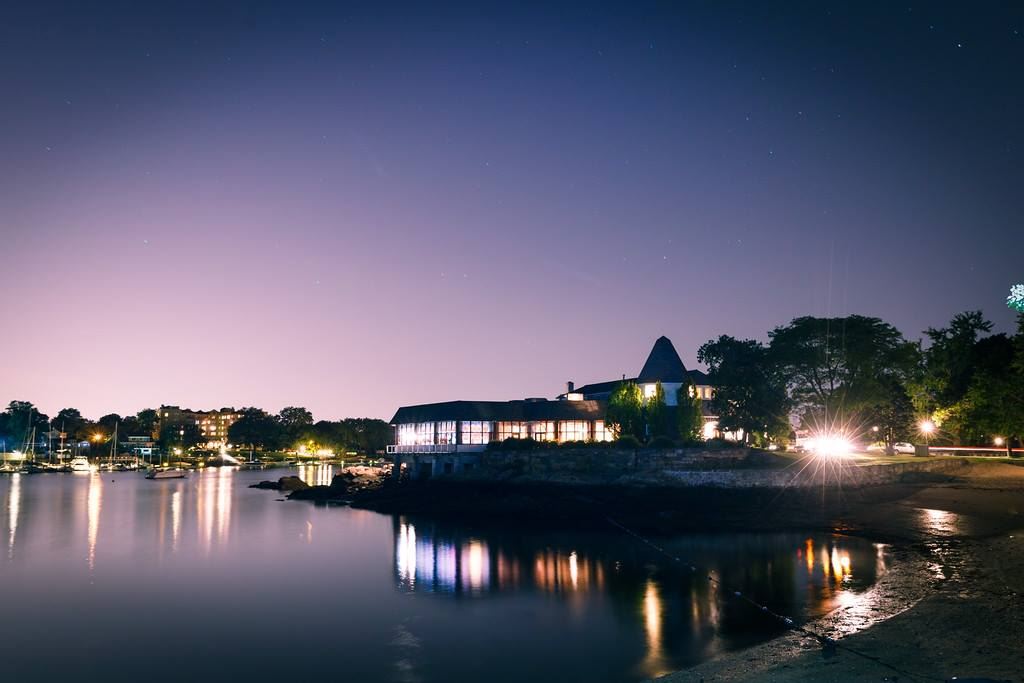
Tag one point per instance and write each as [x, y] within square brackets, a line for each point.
[692, 467]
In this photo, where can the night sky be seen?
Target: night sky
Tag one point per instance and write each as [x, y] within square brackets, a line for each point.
[353, 207]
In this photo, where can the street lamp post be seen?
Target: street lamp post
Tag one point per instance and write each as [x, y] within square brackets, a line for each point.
[927, 428]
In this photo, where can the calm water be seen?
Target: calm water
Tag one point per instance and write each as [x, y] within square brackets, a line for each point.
[113, 577]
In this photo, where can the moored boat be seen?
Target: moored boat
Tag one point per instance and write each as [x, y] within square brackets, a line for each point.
[80, 464]
[166, 474]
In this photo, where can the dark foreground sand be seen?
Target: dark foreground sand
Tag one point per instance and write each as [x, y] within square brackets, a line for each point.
[956, 589]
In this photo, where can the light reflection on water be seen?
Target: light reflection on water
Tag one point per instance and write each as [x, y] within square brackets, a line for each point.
[13, 511]
[316, 474]
[94, 505]
[827, 571]
[205, 556]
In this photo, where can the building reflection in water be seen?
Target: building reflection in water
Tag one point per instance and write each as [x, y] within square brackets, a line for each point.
[13, 511]
[175, 518]
[94, 505]
[673, 617]
[435, 563]
[213, 505]
[836, 565]
[316, 474]
[654, 663]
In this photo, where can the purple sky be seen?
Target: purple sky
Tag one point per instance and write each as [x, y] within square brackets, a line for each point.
[354, 208]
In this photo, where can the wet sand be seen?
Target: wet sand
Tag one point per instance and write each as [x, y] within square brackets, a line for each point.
[952, 606]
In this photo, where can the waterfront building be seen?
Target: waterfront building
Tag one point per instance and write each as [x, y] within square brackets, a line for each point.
[213, 424]
[576, 415]
[140, 446]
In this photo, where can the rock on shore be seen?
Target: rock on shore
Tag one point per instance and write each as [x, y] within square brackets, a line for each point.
[289, 483]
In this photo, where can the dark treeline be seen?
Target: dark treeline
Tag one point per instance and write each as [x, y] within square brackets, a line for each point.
[255, 428]
[294, 427]
[860, 376]
[854, 375]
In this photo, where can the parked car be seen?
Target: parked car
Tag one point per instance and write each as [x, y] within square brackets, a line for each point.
[900, 447]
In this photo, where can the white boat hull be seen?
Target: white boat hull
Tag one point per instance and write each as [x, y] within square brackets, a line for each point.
[166, 474]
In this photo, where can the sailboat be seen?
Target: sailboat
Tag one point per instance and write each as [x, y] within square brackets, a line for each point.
[166, 473]
[29, 464]
[109, 465]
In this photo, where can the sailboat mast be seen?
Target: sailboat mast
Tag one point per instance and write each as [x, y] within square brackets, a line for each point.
[113, 445]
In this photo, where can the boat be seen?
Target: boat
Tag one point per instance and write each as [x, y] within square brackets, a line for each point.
[166, 474]
[80, 464]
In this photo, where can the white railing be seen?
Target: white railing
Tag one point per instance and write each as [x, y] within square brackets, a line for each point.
[426, 448]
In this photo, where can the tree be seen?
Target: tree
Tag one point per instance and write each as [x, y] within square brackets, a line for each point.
[837, 368]
[750, 393]
[689, 415]
[256, 429]
[893, 418]
[147, 420]
[625, 411]
[367, 435]
[71, 422]
[183, 435]
[295, 420]
[994, 402]
[949, 361]
[957, 362]
[20, 418]
[656, 413]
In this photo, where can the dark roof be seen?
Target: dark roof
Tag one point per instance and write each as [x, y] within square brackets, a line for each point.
[663, 364]
[604, 389]
[699, 377]
[600, 387]
[495, 411]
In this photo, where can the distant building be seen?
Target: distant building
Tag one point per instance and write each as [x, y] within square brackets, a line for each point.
[213, 424]
[139, 446]
[576, 415]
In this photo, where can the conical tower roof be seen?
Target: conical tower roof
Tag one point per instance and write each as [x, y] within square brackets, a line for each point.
[663, 364]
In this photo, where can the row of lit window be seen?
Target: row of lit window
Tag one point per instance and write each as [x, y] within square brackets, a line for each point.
[480, 432]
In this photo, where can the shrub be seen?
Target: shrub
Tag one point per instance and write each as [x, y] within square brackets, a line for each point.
[514, 444]
[661, 442]
[627, 441]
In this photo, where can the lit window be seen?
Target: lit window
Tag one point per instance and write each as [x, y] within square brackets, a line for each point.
[602, 432]
[416, 434]
[446, 432]
[650, 390]
[573, 430]
[513, 430]
[542, 431]
[475, 433]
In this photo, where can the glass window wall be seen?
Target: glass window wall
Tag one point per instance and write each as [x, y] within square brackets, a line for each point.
[573, 430]
[475, 433]
[543, 430]
[512, 430]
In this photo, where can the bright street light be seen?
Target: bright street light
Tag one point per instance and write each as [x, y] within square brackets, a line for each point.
[926, 426]
[999, 441]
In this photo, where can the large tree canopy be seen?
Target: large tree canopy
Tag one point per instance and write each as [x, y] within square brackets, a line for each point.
[294, 420]
[749, 392]
[257, 429]
[838, 368]
[950, 361]
[993, 405]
